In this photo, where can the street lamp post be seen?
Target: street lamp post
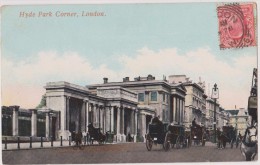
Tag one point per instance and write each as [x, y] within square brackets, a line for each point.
[215, 120]
[215, 96]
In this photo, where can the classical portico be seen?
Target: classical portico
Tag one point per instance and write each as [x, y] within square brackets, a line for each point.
[113, 109]
[178, 93]
[120, 111]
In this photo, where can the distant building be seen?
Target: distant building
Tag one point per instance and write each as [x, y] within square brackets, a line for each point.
[238, 119]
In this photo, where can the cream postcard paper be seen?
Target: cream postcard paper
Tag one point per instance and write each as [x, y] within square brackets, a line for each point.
[87, 83]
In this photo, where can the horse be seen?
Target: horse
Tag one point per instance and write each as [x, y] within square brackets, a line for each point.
[220, 138]
[228, 135]
[198, 135]
[77, 139]
[249, 142]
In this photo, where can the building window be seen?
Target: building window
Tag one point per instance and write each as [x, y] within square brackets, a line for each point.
[154, 96]
[164, 97]
[140, 97]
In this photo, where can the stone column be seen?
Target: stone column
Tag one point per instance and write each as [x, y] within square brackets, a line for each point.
[91, 109]
[135, 132]
[112, 119]
[180, 110]
[183, 107]
[50, 125]
[101, 117]
[123, 136]
[67, 112]
[174, 109]
[94, 108]
[107, 116]
[132, 122]
[83, 116]
[96, 115]
[15, 119]
[34, 123]
[104, 119]
[143, 129]
[118, 135]
[86, 115]
[47, 125]
[63, 119]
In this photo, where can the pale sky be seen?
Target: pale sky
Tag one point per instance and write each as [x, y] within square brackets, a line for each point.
[131, 40]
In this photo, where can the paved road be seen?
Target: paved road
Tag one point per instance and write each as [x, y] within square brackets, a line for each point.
[120, 153]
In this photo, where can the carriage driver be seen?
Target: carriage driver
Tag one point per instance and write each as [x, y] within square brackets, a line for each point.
[194, 124]
[156, 120]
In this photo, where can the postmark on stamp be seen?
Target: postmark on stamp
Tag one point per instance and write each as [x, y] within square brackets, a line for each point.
[236, 25]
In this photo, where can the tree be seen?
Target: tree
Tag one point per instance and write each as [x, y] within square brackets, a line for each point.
[43, 102]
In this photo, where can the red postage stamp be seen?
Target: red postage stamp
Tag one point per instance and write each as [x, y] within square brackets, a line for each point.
[236, 25]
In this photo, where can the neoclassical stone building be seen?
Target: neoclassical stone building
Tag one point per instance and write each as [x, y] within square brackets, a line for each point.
[122, 108]
[195, 100]
[119, 107]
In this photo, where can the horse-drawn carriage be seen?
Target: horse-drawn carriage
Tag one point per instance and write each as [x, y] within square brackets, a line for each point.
[176, 136]
[229, 134]
[156, 135]
[95, 134]
[249, 141]
[197, 135]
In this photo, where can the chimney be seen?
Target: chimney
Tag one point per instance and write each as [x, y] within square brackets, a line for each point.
[105, 80]
[150, 77]
[125, 79]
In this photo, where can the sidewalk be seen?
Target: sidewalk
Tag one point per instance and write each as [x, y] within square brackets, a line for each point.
[57, 144]
[37, 145]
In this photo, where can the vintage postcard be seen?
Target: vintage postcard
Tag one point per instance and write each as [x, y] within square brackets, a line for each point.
[131, 82]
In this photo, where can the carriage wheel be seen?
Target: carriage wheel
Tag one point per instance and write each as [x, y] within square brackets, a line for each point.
[149, 143]
[167, 144]
[231, 143]
[203, 140]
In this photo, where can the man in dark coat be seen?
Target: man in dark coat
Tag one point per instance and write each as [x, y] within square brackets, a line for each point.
[194, 124]
[156, 120]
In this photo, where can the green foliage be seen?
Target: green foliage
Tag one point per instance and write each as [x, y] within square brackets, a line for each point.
[43, 102]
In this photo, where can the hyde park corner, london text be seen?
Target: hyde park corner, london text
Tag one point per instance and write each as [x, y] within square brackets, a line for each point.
[60, 14]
